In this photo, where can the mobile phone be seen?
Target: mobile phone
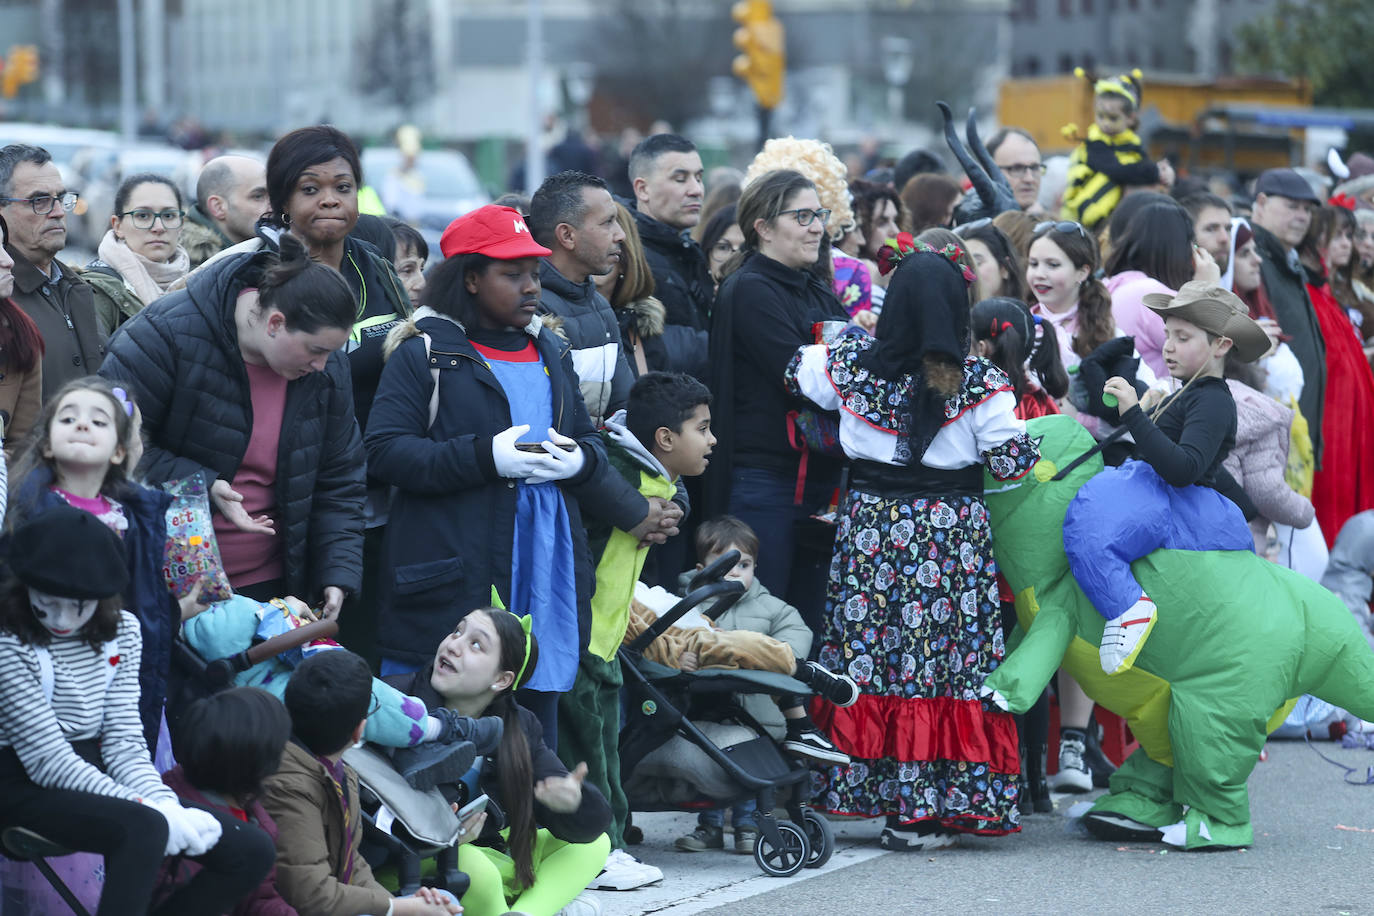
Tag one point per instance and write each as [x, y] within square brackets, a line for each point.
[538, 447]
[478, 804]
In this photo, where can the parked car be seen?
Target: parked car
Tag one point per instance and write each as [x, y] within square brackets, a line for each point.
[444, 188]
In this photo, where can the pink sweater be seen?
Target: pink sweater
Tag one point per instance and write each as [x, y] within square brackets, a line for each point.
[1259, 458]
[1128, 290]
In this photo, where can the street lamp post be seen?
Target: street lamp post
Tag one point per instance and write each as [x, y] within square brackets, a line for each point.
[896, 70]
[534, 141]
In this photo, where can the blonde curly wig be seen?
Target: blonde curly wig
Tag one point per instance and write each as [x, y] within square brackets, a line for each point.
[818, 162]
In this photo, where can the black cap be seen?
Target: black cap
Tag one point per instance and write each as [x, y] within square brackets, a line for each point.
[1286, 183]
[69, 553]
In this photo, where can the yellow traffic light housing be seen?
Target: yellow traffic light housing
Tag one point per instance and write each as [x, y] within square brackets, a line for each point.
[19, 69]
[762, 62]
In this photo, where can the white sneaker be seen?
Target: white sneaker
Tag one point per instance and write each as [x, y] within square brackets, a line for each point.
[1073, 775]
[1124, 637]
[623, 872]
[584, 904]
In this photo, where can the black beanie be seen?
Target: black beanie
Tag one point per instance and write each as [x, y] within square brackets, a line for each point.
[69, 553]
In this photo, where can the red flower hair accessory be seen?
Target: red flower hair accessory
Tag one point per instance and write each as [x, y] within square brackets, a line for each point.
[1343, 200]
[893, 250]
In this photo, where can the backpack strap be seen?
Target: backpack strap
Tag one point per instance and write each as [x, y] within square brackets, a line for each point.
[434, 374]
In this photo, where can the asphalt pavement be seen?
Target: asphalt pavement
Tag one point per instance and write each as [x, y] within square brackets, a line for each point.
[1313, 853]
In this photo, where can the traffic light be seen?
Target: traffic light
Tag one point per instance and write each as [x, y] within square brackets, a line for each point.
[763, 60]
[21, 68]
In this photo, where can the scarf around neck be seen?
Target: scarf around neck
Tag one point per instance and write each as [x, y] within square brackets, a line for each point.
[148, 279]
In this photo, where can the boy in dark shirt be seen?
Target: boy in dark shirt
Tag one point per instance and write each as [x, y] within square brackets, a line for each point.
[1175, 492]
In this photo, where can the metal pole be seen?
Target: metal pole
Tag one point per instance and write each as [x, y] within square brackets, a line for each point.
[128, 58]
[155, 54]
[534, 141]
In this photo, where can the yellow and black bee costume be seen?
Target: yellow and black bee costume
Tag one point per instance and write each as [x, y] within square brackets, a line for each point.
[1100, 166]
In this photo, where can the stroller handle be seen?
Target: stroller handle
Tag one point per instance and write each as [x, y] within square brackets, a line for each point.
[715, 572]
[706, 585]
[221, 672]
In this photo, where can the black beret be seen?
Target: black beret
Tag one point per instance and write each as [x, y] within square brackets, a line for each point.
[69, 553]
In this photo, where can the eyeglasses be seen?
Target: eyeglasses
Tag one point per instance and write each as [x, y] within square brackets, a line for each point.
[143, 219]
[1025, 170]
[1065, 226]
[43, 203]
[724, 247]
[805, 215]
[973, 226]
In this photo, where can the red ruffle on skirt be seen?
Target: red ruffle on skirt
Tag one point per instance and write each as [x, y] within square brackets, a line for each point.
[922, 728]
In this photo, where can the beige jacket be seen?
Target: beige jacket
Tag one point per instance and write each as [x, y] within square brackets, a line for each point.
[313, 843]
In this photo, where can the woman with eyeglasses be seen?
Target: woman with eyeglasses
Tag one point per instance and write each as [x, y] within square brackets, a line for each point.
[140, 256]
[766, 308]
[720, 240]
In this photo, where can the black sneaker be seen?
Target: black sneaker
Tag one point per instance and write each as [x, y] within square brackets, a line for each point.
[839, 689]
[814, 744]
[1073, 775]
[427, 765]
[484, 733]
[1108, 826]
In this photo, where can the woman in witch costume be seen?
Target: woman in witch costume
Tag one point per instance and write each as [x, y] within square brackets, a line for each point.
[911, 607]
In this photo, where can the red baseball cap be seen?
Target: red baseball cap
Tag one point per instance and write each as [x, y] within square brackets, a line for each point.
[497, 232]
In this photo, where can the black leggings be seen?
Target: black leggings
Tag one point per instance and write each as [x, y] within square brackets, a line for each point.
[132, 838]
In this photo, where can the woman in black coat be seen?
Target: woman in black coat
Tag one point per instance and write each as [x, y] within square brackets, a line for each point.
[257, 335]
[479, 426]
[767, 307]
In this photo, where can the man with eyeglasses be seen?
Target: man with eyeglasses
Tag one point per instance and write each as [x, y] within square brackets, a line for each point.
[1016, 154]
[35, 204]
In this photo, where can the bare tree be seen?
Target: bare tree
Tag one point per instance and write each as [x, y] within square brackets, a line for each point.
[654, 55]
[394, 51]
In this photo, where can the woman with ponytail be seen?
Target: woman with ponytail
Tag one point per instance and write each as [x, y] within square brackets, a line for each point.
[1017, 342]
[241, 382]
[542, 838]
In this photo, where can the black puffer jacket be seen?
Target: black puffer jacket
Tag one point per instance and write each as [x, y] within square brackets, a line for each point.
[181, 358]
[588, 324]
[1285, 282]
[682, 282]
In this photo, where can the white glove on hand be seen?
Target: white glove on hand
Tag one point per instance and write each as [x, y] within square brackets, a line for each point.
[512, 462]
[190, 831]
[568, 464]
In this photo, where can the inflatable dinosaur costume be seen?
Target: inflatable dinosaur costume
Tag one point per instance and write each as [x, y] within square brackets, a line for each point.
[1238, 639]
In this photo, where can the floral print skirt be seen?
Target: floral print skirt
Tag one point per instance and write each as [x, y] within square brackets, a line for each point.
[912, 614]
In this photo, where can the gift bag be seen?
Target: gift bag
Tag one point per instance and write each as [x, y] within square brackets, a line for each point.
[191, 551]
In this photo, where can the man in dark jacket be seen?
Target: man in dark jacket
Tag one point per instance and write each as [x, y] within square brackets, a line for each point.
[1283, 210]
[180, 357]
[666, 173]
[574, 216]
[35, 203]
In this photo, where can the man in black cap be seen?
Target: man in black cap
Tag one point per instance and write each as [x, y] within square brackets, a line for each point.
[1284, 203]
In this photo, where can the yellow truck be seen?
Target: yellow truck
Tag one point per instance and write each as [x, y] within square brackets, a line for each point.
[1242, 124]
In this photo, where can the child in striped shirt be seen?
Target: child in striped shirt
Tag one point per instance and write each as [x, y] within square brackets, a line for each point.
[73, 762]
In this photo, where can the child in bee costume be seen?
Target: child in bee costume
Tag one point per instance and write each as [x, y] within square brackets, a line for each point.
[1111, 157]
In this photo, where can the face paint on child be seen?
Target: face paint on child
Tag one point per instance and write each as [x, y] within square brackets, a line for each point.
[60, 616]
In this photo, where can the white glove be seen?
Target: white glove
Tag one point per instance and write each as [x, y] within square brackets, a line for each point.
[190, 831]
[512, 462]
[568, 464]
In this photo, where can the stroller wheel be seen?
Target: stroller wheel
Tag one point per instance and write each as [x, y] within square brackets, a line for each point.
[787, 859]
[821, 837]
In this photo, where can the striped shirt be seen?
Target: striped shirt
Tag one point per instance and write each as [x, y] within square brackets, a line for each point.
[85, 704]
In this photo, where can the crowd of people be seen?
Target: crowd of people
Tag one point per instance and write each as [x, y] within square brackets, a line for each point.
[471, 465]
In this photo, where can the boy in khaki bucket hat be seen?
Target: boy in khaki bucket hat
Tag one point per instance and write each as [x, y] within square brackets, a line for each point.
[1173, 493]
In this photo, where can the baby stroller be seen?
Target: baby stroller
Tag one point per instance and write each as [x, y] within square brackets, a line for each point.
[661, 736]
[401, 825]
